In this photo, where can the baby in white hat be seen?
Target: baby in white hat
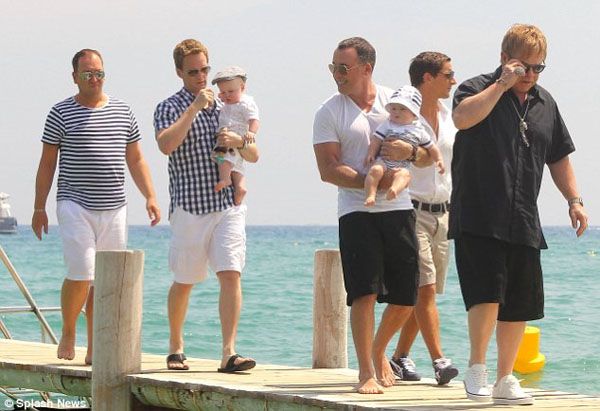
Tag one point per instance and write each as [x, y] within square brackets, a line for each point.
[240, 115]
[403, 123]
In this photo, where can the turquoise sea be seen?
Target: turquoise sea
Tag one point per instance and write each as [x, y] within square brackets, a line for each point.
[276, 322]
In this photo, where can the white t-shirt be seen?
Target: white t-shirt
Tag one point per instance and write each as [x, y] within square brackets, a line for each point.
[426, 184]
[340, 120]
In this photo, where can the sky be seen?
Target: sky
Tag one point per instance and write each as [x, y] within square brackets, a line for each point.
[285, 46]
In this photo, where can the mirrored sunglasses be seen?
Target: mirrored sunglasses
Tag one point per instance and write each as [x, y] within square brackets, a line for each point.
[87, 75]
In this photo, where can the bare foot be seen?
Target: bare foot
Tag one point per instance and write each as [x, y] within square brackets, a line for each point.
[391, 194]
[369, 386]
[383, 370]
[370, 201]
[238, 195]
[222, 184]
[66, 347]
[88, 358]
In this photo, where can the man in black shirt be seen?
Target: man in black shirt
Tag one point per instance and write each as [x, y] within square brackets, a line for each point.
[509, 127]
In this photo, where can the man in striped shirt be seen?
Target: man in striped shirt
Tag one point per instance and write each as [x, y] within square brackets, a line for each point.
[96, 135]
[208, 230]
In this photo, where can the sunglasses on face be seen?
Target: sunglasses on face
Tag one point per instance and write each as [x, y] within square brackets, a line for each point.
[87, 75]
[195, 72]
[343, 69]
[536, 68]
[449, 75]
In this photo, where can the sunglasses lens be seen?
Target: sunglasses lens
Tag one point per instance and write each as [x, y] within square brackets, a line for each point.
[99, 75]
[340, 68]
[538, 68]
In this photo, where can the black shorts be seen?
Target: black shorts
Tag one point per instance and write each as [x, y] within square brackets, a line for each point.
[494, 271]
[380, 256]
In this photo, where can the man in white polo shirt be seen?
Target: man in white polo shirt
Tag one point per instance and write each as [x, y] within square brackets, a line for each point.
[96, 136]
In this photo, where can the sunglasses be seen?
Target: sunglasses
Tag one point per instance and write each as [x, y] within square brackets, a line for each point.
[449, 75]
[195, 72]
[343, 69]
[87, 75]
[536, 68]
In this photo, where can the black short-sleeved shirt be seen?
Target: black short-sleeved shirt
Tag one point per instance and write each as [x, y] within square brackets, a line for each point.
[496, 178]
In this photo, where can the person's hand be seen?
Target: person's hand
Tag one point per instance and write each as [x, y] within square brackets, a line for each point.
[440, 166]
[204, 99]
[512, 71]
[579, 218]
[229, 139]
[153, 211]
[39, 221]
[395, 150]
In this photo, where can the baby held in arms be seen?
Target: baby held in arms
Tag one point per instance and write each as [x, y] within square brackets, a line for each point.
[403, 123]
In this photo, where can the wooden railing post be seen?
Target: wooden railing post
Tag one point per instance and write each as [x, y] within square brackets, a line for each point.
[330, 313]
[117, 327]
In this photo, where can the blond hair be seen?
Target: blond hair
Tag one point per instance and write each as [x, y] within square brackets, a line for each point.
[185, 48]
[524, 38]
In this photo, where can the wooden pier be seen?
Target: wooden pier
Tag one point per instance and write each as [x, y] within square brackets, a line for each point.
[267, 387]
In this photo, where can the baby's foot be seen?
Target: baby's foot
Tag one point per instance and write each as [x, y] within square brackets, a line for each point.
[391, 194]
[238, 195]
[222, 184]
[370, 201]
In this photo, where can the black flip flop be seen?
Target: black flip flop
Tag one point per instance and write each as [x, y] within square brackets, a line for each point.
[177, 358]
[232, 367]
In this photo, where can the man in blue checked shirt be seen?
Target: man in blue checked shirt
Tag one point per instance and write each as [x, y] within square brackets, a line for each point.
[208, 230]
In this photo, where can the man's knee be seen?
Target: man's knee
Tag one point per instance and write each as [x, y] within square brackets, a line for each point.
[426, 295]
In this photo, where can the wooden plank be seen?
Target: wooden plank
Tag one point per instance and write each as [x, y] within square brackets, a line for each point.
[267, 387]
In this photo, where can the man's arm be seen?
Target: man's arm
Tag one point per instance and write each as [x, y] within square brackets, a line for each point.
[332, 170]
[141, 176]
[564, 179]
[171, 137]
[397, 150]
[43, 183]
[472, 110]
[231, 139]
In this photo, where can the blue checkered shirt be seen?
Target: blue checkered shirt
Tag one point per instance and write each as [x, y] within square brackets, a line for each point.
[192, 174]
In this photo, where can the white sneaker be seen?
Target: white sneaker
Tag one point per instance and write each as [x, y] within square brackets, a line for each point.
[508, 391]
[476, 385]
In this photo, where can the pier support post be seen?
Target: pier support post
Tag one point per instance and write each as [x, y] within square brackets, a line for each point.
[330, 313]
[117, 327]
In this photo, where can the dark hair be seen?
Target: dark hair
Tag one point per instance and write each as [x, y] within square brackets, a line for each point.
[80, 54]
[364, 49]
[427, 62]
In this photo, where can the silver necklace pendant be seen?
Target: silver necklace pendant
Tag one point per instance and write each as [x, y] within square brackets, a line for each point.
[522, 130]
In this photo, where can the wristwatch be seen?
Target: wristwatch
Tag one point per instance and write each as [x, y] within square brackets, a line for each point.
[575, 200]
[413, 155]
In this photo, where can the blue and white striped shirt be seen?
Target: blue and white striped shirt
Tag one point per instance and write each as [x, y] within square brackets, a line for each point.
[192, 173]
[92, 144]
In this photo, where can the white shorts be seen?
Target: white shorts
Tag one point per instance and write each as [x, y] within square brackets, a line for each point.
[216, 240]
[86, 231]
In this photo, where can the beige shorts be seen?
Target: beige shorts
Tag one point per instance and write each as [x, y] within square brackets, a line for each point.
[432, 232]
[84, 232]
[198, 242]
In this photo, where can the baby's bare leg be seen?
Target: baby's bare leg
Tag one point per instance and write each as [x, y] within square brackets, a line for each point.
[239, 186]
[224, 175]
[371, 182]
[399, 183]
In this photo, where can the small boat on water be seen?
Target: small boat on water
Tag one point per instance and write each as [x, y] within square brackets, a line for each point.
[8, 223]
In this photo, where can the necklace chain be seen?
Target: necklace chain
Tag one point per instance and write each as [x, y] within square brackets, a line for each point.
[522, 123]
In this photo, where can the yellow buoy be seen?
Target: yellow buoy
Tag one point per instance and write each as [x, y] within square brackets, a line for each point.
[529, 358]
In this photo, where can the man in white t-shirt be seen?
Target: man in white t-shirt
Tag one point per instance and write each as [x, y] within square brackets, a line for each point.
[378, 245]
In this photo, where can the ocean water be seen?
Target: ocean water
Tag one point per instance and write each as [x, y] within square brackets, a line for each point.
[276, 321]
